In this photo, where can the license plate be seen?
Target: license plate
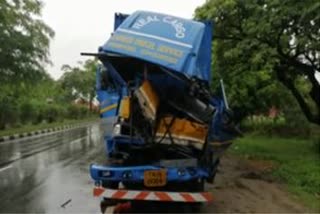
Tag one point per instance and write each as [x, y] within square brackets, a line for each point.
[155, 178]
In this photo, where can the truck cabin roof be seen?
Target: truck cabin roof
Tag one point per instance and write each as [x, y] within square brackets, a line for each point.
[176, 44]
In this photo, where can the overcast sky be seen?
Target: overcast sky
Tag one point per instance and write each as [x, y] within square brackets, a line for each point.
[83, 25]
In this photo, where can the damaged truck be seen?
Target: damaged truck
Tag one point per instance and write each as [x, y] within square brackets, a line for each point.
[168, 129]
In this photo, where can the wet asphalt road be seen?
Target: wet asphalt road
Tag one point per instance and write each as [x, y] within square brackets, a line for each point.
[40, 174]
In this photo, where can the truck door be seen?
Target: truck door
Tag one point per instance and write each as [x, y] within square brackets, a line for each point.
[107, 93]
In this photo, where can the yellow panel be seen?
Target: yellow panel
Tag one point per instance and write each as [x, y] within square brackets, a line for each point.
[183, 131]
[125, 108]
[148, 100]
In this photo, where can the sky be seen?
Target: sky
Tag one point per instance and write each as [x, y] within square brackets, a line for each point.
[84, 25]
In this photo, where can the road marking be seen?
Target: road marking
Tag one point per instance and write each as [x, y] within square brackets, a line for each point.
[5, 168]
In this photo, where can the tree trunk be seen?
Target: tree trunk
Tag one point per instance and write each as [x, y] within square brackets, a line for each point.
[289, 84]
[315, 90]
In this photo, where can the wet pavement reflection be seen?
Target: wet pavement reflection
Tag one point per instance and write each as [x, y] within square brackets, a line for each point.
[50, 173]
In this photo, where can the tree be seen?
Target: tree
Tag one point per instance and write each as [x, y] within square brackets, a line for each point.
[24, 40]
[270, 40]
[79, 81]
[24, 48]
[90, 66]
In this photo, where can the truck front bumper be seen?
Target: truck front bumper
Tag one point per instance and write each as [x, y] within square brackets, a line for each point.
[136, 173]
[160, 196]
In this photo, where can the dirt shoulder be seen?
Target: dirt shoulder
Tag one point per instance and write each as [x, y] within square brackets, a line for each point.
[241, 187]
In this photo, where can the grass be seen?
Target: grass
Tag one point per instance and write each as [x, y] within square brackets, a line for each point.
[31, 127]
[297, 163]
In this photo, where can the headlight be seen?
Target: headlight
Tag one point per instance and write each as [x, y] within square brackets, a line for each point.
[105, 173]
[127, 174]
[181, 172]
[117, 129]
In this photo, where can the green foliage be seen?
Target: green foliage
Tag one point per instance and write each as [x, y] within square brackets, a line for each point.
[52, 112]
[28, 112]
[83, 112]
[79, 81]
[280, 126]
[295, 162]
[34, 104]
[289, 122]
[259, 42]
[9, 113]
[316, 142]
[294, 117]
[24, 41]
[77, 112]
[22, 129]
[40, 111]
[8, 107]
[28, 95]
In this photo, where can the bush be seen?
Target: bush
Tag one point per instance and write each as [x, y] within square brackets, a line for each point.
[36, 112]
[28, 112]
[51, 113]
[21, 111]
[289, 124]
[262, 124]
[296, 122]
[315, 137]
[83, 112]
[39, 113]
[316, 144]
[9, 112]
[77, 112]
[72, 112]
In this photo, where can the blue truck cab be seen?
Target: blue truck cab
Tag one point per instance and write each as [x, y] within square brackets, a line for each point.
[173, 138]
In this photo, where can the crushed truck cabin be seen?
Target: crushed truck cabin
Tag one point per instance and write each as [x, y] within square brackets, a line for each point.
[169, 129]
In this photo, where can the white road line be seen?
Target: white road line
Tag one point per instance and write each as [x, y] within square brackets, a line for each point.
[5, 168]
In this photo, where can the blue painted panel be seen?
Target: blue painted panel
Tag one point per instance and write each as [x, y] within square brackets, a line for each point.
[108, 103]
[166, 40]
[137, 173]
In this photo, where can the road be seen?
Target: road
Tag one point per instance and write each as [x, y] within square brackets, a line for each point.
[50, 174]
[41, 174]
